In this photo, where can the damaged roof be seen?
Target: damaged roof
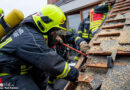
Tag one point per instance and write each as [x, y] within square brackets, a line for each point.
[108, 59]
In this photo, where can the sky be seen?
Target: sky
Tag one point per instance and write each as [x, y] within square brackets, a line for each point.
[26, 6]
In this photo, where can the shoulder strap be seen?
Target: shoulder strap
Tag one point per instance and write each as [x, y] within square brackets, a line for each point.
[5, 26]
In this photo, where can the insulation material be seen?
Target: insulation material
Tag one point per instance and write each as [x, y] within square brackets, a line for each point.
[127, 21]
[97, 59]
[83, 86]
[125, 36]
[124, 47]
[109, 45]
[108, 31]
[127, 15]
[96, 82]
[119, 16]
[98, 74]
[107, 38]
[95, 48]
[117, 78]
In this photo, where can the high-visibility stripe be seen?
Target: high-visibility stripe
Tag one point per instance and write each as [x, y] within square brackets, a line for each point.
[95, 24]
[8, 40]
[79, 32]
[95, 19]
[76, 58]
[85, 30]
[76, 39]
[24, 69]
[4, 74]
[52, 82]
[46, 38]
[65, 72]
[90, 36]
[85, 34]
[109, 7]
[92, 30]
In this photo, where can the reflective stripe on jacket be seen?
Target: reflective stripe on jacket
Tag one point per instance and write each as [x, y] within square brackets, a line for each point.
[96, 20]
[97, 16]
[28, 47]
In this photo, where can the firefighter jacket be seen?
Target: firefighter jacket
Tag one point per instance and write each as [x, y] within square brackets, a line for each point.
[97, 16]
[91, 24]
[26, 48]
[83, 30]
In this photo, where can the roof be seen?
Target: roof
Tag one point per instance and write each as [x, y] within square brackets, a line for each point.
[76, 4]
[108, 59]
[62, 2]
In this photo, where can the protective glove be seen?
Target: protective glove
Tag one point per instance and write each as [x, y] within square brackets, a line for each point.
[84, 46]
[59, 39]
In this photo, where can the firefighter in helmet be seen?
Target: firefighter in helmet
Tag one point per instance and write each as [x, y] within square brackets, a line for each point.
[90, 25]
[27, 48]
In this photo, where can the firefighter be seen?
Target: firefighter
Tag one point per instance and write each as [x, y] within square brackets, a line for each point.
[83, 29]
[90, 25]
[1, 12]
[71, 39]
[26, 48]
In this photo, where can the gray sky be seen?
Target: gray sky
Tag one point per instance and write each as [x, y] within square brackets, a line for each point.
[26, 6]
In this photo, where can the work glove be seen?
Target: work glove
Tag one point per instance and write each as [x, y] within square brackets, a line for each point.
[59, 39]
[73, 74]
[84, 46]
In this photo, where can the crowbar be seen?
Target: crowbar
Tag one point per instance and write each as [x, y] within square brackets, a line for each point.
[74, 49]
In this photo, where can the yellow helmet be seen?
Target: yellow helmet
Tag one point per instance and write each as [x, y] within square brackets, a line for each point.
[1, 11]
[49, 17]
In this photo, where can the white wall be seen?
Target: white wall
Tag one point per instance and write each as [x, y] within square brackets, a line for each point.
[26, 6]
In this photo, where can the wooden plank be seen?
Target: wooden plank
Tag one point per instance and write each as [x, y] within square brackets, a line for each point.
[107, 53]
[120, 25]
[98, 53]
[113, 15]
[109, 34]
[121, 3]
[85, 78]
[103, 65]
[121, 6]
[79, 62]
[113, 20]
[96, 65]
[96, 43]
[71, 85]
[121, 9]
[81, 78]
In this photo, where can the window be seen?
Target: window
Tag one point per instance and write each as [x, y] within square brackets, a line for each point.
[74, 21]
[85, 13]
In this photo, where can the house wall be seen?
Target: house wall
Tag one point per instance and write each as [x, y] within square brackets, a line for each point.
[52, 1]
[75, 10]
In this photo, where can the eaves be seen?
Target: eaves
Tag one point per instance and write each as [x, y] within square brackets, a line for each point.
[77, 4]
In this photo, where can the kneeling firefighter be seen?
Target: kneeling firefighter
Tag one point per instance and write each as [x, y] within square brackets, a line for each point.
[26, 49]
